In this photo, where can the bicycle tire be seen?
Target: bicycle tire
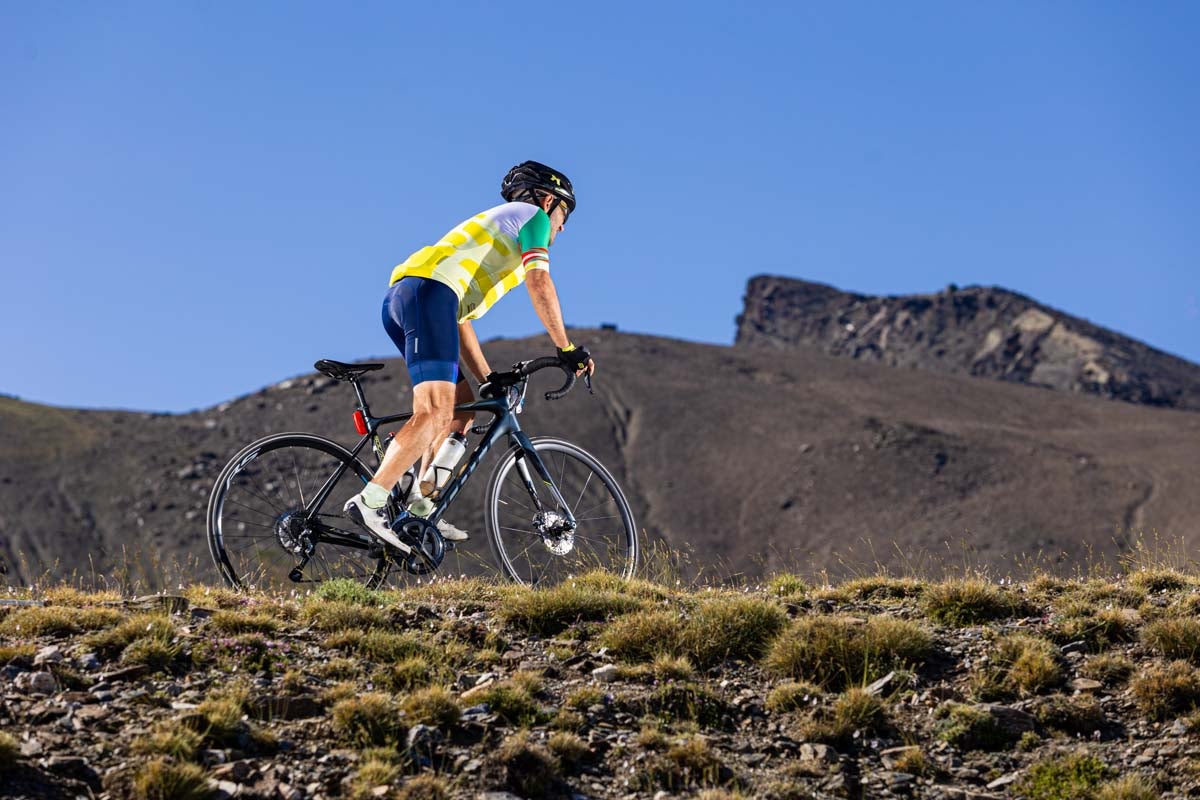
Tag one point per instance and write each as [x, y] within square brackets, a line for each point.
[518, 564]
[274, 515]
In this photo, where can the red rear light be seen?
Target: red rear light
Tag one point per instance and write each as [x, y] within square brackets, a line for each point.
[360, 423]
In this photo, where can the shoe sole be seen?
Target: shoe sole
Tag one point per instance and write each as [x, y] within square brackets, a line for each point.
[352, 511]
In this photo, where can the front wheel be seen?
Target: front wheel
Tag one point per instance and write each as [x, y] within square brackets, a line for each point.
[527, 532]
[275, 515]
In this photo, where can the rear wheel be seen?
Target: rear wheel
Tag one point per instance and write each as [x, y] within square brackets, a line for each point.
[263, 528]
[534, 545]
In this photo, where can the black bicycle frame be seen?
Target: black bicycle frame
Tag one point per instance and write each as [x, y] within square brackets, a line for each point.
[504, 423]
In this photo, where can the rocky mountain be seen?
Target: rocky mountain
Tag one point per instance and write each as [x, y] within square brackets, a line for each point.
[983, 331]
[739, 460]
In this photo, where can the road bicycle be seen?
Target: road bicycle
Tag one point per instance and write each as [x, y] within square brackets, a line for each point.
[551, 508]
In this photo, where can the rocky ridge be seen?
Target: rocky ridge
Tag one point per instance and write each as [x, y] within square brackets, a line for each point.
[604, 689]
[983, 331]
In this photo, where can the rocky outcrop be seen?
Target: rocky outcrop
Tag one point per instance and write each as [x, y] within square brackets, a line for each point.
[982, 331]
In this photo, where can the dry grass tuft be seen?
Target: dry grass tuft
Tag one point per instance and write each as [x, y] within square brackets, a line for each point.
[548, 612]
[163, 780]
[369, 719]
[432, 706]
[837, 652]
[1174, 637]
[1110, 669]
[1159, 580]
[570, 750]
[1080, 714]
[10, 750]
[526, 768]
[792, 696]
[883, 587]
[855, 713]
[1018, 665]
[1164, 690]
[340, 615]
[962, 603]
[424, 787]
[234, 622]
[57, 620]
[1130, 787]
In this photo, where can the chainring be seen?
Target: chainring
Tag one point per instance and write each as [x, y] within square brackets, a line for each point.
[420, 534]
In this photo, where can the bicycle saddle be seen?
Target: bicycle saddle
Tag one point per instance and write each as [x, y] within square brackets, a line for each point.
[340, 371]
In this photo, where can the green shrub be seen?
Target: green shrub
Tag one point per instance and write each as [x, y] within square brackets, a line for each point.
[345, 590]
[836, 652]
[1062, 778]
[971, 728]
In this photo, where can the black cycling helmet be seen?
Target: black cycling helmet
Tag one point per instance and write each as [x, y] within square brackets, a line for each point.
[529, 177]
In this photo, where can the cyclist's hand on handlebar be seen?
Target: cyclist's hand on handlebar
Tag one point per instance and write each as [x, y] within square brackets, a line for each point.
[495, 384]
[577, 359]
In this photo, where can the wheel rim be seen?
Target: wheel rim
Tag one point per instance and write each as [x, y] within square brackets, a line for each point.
[261, 530]
[530, 548]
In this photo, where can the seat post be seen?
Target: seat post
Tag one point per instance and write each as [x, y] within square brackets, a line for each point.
[362, 398]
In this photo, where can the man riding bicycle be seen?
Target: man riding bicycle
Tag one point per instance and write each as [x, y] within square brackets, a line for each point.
[427, 312]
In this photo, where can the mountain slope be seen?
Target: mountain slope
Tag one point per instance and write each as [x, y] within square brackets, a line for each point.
[751, 458]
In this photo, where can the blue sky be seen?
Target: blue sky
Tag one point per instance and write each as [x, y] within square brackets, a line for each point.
[200, 199]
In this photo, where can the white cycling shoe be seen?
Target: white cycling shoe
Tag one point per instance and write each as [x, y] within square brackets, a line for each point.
[423, 507]
[374, 520]
[451, 533]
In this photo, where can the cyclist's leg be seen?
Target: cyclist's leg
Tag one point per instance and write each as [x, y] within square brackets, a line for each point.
[421, 317]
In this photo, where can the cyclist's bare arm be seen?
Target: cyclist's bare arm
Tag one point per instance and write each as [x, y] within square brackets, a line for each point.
[545, 303]
[471, 352]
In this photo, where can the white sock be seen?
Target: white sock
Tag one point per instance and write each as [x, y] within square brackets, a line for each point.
[374, 496]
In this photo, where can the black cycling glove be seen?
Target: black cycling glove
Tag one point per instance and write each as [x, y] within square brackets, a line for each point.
[575, 357]
[495, 384]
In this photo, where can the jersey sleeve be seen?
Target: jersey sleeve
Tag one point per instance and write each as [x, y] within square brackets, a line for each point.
[534, 239]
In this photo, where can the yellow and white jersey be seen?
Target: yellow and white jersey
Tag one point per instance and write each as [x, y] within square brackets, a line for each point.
[485, 257]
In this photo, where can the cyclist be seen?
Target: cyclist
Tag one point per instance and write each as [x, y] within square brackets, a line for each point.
[433, 297]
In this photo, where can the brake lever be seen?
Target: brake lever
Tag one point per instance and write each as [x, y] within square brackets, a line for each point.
[587, 381]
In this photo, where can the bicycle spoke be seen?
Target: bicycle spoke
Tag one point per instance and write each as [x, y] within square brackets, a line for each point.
[581, 491]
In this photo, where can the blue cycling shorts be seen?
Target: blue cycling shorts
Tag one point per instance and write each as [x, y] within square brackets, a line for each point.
[421, 316]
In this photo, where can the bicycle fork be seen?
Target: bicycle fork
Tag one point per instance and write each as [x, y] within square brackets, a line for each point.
[529, 454]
